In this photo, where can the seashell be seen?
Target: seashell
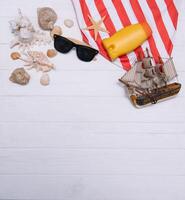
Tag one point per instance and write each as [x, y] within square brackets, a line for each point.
[25, 35]
[68, 23]
[38, 60]
[15, 55]
[56, 31]
[20, 76]
[51, 53]
[44, 80]
[47, 17]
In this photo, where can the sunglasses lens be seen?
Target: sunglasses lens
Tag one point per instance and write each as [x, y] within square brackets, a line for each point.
[62, 45]
[85, 53]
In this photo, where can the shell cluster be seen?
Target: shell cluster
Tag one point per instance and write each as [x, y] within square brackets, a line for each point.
[32, 60]
[25, 34]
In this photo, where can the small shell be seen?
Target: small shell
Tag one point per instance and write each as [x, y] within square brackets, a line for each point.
[20, 76]
[56, 31]
[44, 80]
[15, 55]
[47, 17]
[68, 23]
[51, 53]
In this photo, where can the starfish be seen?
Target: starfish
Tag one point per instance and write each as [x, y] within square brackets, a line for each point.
[96, 26]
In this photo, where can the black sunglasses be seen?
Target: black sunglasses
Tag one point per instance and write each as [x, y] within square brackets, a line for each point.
[64, 45]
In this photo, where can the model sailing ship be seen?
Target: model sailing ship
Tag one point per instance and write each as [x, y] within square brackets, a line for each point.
[148, 82]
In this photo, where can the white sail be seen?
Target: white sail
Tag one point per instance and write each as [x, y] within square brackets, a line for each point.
[131, 75]
[169, 69]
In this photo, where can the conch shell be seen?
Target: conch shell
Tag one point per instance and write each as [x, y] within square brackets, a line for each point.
[47, 17]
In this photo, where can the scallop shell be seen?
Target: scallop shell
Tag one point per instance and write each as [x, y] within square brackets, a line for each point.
[57, 30]
[51, 53]
[20, 76]
[47, 17]
[15, 55]
[68, 23]
[44, 80]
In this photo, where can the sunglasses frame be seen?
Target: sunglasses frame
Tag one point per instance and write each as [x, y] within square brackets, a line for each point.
[77, 46]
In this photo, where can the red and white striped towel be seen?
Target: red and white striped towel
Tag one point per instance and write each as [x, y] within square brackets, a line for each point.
[161, 15]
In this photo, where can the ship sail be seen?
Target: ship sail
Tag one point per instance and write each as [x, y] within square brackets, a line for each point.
[131, 77]
[169, 69]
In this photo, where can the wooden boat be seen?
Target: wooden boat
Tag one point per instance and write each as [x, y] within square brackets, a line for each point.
[149, 82]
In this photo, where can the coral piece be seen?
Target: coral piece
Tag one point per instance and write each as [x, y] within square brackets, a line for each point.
[51, 53]
[56, 31]
[45, 80]
[68, 23]
[25, 34]
[15, 55]
[37, 60]
[47, 17]
[20, 76]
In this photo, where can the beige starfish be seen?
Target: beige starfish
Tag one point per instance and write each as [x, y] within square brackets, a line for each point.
[96, 26]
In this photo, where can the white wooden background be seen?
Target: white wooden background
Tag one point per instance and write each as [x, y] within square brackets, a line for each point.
[80, 138]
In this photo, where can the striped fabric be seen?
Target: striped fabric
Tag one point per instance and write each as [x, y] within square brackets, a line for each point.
[161, 15]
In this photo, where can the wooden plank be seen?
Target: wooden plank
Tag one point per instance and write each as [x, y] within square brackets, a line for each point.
[64, 62]
[67, 62]
[92, 162]
[72, 83]
[92, 187]
[63, 7]
[92, 135]
[7, 35]
[80, 138]
[93, 109]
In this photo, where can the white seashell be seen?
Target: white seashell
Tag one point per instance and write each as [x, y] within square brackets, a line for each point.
[57, 30]
[25, 34]
[45, 80]
[68, 23]
[47, 17]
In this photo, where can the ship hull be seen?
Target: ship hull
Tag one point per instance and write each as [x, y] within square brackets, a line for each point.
[155, 96]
